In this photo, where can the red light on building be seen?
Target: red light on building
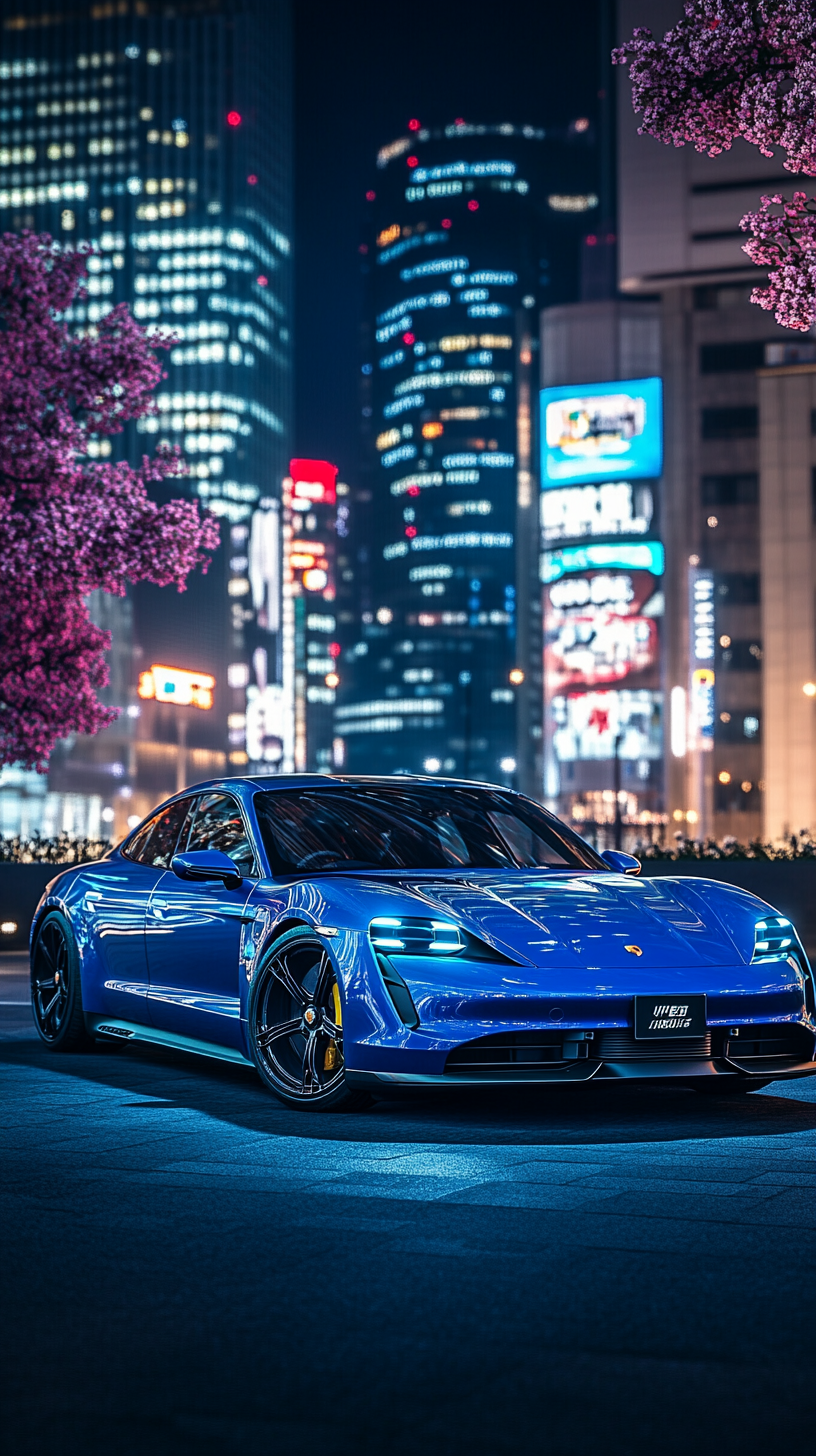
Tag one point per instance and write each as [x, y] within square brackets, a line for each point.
[370, 196]
[460, 121]
[408, 338]
[473, 205]
[262, 280]
[314, 480]
[591, 241]
[413, 161]
[413, 490]
[410, 532]
[413, 124]
[334, 649]
[234, 118]
[446, 222]
[252, 180]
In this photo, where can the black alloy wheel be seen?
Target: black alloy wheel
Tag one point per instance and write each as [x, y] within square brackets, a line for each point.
[296, 1026]
[56, 989]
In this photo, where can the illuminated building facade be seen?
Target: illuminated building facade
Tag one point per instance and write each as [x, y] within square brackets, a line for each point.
[739, 642]
[602, 569]
[314, 510]
[471, 228]
[161, 133]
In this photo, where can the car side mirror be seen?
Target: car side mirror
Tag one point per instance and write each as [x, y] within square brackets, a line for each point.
[207, 864]
[623, 864]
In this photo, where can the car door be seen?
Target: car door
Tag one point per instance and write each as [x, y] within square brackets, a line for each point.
[117, 896]
[194, 932]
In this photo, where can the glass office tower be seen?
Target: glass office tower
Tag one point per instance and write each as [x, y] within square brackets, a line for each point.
[161, 133]
[471, 230]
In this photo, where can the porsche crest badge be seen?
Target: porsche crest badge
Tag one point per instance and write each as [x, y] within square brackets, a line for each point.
[633, 949]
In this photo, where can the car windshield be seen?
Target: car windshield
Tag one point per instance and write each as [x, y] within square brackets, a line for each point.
[413, 828]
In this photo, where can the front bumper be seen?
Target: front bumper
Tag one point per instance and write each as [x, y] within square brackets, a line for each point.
[757, 1052]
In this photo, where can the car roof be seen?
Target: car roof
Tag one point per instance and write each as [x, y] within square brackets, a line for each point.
[318, 780]
[315, 780]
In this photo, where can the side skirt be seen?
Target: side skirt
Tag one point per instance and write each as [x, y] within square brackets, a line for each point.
[576, 1072]
[115, 1029]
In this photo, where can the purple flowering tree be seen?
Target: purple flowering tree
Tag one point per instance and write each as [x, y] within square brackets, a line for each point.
[71, 524]
[743, 68]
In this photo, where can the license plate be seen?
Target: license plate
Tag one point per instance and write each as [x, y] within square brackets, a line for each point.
[660, 1016]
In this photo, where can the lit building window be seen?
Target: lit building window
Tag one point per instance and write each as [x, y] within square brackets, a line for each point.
[464, 169]
[572, 202]
[437, 265]
[449, 378]
[422, 300]
[412, 401]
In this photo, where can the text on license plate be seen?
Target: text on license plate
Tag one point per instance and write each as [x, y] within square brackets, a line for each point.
[659, 1016]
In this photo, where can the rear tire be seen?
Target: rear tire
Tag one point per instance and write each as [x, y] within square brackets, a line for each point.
[56, 986]
[295, 1026]
[728, 1086]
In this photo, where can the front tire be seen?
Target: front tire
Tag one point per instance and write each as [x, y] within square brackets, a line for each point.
[56, 986]
[296, 1026]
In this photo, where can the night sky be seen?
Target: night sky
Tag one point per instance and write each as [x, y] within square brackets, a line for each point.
[361, 71]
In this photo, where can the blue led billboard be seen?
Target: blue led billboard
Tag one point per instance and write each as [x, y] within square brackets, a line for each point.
[632, 556]
[611, 431]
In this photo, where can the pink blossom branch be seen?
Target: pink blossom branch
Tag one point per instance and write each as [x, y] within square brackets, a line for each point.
[785, 243]
[72, 525]
[730, 68]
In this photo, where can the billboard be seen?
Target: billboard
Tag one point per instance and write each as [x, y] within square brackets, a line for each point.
[602, 431]
[636, 555]
[314, 481]
[586, 725]
[610, 508]
[177, 685]
[602, 628]
[702, 633]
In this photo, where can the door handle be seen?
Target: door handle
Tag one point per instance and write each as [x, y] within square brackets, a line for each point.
[230, 912]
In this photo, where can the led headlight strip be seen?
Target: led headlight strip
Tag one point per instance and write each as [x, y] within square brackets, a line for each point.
[408, 935]
[773, 937]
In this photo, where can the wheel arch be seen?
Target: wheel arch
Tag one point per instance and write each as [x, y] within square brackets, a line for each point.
[50, 903]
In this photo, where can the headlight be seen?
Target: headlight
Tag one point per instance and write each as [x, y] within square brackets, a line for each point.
[407, 935]
[773, 937]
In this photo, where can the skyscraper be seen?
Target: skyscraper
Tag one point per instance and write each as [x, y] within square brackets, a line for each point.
[161, 133]
[470, 229]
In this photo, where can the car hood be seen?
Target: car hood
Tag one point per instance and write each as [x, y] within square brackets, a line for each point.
[596, 921]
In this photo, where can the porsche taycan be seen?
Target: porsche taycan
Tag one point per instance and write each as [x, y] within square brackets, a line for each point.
[352, 936]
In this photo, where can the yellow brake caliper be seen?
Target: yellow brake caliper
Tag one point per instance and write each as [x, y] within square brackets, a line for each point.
[332, 1052]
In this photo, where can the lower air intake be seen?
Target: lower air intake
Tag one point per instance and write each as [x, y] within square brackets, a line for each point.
[620, 1045]
[759, 1047]
[524, 1051]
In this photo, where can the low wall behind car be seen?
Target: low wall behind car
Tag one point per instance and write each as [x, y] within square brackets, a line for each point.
[21, 886]
[788, 885]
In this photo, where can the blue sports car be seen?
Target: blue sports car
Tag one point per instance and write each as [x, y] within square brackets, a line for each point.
[353, 935]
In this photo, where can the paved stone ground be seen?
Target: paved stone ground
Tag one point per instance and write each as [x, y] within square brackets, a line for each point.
[188, 1267]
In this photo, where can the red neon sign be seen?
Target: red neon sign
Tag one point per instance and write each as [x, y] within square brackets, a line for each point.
[314, 480]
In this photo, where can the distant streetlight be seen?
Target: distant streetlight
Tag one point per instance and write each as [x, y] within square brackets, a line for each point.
[809, 689]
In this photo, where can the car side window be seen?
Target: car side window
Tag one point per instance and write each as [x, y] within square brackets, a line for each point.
[219, 824]
[155, 844]
[135, 849]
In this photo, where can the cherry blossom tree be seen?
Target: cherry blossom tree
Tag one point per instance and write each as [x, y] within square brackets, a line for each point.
[743, 68]
[71, 524]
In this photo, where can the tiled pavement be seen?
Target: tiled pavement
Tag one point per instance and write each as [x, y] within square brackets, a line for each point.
[189, 1267]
